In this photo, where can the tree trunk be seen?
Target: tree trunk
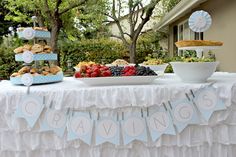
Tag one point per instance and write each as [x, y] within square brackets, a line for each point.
[132, 52]
[54, 37]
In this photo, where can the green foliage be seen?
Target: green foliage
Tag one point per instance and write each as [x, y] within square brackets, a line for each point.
[169, 4]
[90, 20]
[149, 44]
[8, 65]
[105, 50]
[89, 15]
[97, 50]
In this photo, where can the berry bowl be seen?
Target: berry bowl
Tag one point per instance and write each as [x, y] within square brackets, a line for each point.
[194, 72]
[157, 68]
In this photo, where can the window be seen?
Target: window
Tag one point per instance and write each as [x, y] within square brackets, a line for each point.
[183, 32]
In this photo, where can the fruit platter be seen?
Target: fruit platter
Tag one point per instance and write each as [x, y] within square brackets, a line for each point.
[97, 74]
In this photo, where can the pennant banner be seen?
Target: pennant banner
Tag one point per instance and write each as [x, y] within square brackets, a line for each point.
[160, 123]
[134, 128]
[170, 118]
[183, 113]
[207, 102]
[54, 120]
[107, 130]
[30, 109]
[80, 126]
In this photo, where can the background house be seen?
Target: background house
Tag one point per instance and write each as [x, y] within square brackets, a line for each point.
[223, 28]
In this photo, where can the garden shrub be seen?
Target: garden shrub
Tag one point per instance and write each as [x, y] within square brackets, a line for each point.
[97, 50]
[8, 65]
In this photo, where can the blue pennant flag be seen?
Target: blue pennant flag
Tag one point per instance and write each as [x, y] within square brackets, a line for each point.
[80, 126]
[207, 101]
[30, 109]
[159, 123]
[183, 113]
[107, 130]
[54, 120]
[134, 128]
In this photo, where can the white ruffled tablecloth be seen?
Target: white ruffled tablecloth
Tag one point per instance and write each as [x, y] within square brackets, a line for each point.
[215, 139]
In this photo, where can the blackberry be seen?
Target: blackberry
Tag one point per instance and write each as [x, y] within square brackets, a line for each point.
[144, 71]
[116, 70]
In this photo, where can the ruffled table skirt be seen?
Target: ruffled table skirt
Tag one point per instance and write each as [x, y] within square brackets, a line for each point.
[217, 138]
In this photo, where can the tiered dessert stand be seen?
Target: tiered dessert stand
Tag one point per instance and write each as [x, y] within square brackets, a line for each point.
[28, 57]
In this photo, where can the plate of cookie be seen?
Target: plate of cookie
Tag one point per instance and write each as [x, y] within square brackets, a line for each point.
[41, 75]
[39, 51]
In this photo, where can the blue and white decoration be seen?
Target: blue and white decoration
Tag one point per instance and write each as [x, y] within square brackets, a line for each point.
[183, 113]
[80, 126]
[207, 102]
[200, 21]
[30, 109]
[54, 120]
[37, 57]
[159, 123]
[170, 118]
[29, 33]
[38, 79]
[27, 56]
[107, 130]
[134, 128]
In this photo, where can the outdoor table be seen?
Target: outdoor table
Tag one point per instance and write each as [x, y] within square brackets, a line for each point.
[216, 138]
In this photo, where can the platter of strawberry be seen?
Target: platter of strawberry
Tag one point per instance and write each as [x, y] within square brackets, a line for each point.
[97, 74]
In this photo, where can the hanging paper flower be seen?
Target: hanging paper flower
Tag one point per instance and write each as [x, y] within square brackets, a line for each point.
[200, 21]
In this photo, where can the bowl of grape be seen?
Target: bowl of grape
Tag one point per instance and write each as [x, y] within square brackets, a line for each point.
[156, 65]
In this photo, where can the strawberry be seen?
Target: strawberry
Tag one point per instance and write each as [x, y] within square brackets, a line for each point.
[88, 71]
[96, 70]
[77, 75]
[87, 75]
[94, 74]
[106, 73]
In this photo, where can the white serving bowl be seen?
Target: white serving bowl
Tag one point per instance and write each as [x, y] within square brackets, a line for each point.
[157, 68]
[194, 72]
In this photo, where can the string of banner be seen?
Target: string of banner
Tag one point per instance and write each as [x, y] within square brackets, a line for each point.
[170, 118]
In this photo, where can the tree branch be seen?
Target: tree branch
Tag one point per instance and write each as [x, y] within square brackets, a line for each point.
[48, 12]
[72, 6]
[135, 17]
[116, 20]
[131, 13]
[127, 34]
[141, 16]
[58, 4]
[119, 11]
[148, 14]
[107, 21]
[122, 39]
[110, 16]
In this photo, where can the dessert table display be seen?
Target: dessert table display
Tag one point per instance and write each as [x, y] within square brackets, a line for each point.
[166, 118]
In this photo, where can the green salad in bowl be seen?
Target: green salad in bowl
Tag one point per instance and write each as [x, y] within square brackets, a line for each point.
[194, 70]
